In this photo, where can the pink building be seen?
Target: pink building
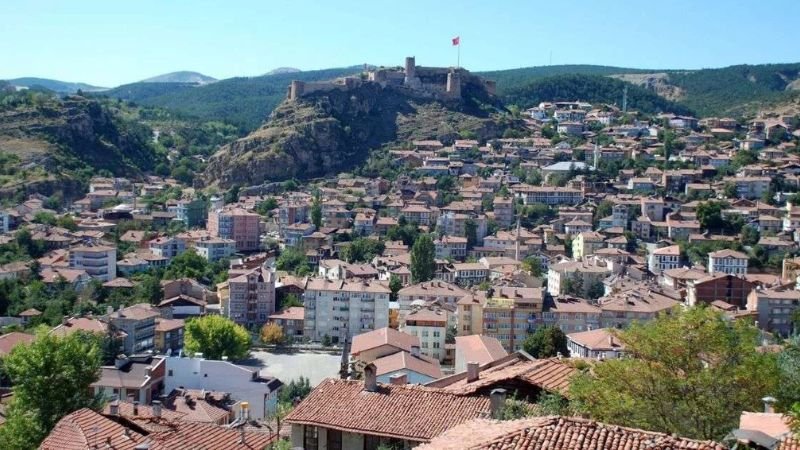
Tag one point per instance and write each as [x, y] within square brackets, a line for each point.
[238, 224]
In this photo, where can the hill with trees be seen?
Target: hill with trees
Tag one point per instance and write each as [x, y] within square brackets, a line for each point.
[593, 89]
[183, 76]
[62, 87]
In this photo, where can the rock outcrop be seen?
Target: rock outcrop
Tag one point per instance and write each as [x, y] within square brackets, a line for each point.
[331, 131]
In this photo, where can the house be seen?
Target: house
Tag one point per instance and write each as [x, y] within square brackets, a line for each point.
[429, 292]
[586, 243]
[477, 348]
[351, 414]
[167, 247]
[727, 261]
[10, 340]
[290, 320]
[168, 337]
[732, 289]
[405, 368]
[454, 247]
[136, 377]
[214, 249]
[79, 428]
[555, 432]
[372, 345]
[242, 383]
[595, 344]
[467, 274]
[590, 274]
[665, 258]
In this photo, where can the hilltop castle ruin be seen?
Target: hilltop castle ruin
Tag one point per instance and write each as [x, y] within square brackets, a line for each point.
[445, 83]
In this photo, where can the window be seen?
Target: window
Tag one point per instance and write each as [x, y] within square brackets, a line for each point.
[169, 373]
[310, 438]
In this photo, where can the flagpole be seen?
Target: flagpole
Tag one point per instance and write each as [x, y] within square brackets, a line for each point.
[458, 60]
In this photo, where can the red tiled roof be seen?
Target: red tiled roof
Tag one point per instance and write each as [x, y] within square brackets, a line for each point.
[548, 374]
[85, 428]
[480, 349]
[405, 361]
[408, 412]
[559, 433]
[10, 340]
[383, 336]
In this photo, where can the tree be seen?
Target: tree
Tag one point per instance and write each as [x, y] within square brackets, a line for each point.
[187, 265]
[289, 300]
[266, 206]
[603, 210]
[395, 284]
[423, 259]
[215, 336]
[730, 190]
[533, 265]
[51, 378]
[362, 250]
[295, 391]
[272, 334]
[596, 290]
[546, 342]
[292, 259]
[789, 373]
[750, 235]
[316, 211]
[709, 214]
[690, 372]
[471, 232]
[149, 289]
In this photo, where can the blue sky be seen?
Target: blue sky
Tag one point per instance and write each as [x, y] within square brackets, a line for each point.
[110, 42]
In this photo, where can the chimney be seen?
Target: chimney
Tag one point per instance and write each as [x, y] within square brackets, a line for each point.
[156, 408]
[135, 408]
[473, 371]
[398, 379]
[415, 351]
[148, 371]
[370, 378]
[113, 408]
[497, 399]
[769, 404]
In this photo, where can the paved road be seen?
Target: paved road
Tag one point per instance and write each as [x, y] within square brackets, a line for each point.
[288, 366]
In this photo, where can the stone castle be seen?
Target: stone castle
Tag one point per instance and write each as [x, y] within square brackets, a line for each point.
[443, 83]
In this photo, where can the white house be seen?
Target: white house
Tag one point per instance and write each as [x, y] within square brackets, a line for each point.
[242, 383]
[727, 261]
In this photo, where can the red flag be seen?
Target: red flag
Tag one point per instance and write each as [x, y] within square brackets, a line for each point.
[456, 40]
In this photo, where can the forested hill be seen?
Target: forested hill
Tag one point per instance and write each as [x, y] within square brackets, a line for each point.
[593, 89]
[513, 79]
[243, 102]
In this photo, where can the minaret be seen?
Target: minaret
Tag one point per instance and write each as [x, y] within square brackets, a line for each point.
[625, 100]
[596, 155]
[516, 246]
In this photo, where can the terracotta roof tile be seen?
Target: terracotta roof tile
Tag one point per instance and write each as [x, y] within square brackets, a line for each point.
[413, 413]
[548, 374]
[84, 428]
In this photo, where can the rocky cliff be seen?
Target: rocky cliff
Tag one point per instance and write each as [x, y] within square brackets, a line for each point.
[327, 132]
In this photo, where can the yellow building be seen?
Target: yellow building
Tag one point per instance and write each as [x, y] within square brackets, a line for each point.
[506, 313]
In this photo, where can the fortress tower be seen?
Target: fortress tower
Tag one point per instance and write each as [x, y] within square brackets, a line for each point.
[454, 83]
[411, 79]
[296, 89]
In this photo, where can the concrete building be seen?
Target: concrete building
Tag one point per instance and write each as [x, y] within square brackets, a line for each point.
[503, 211]
[429, 292]
[774, 309]
[242, 383]
[665, 258]
[430, 326]
[451, 247]
[238, 224]
[590, 273]
[191, 212]
[586, 243]
[138, 377]
[251, 297]
[343, 309]
[506, 313]
[98, 261]
[138, 322]
[291, 321]
[167, 247]
[214, 249]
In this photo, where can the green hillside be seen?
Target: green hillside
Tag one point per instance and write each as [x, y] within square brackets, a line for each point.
[593, 89]
[512, 79]
[243, 102]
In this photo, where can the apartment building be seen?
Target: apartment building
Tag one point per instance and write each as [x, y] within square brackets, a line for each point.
[429, 292]
[503, 211]
[774, 309]
[586, 243]
[98, 261]
[588, 272]
[242, 226]
[213, 249]
[727, 261]
[138, 323]
[430, 326]
[251, 297]
[549, 195]
[167, 247]
[191, 212]
[571, 314]
[507, 314]
[454, 247]
[342, 309]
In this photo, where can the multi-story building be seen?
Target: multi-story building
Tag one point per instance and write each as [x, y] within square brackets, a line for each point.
[251, 297]
[588, 272]
[291, 321]
[168, 338]
[467, 274]
[167, 247]
[665, 258]
[98, 261]
[503, 211]
[238, 224]
[430, 326]
[293, 234]
[343, 309]
[732, 289]
[549, 195]
[571, 314]
[595, 344]
[727, 261]
[505, 313]
[774, 309]
[750, 187]
[213, 249]
[653, 208]
[418, 214]
[622, 309]
[364, 223]
[430, 292]
[191, 212]
[587, 243]
[454, 247]
[138, 322]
